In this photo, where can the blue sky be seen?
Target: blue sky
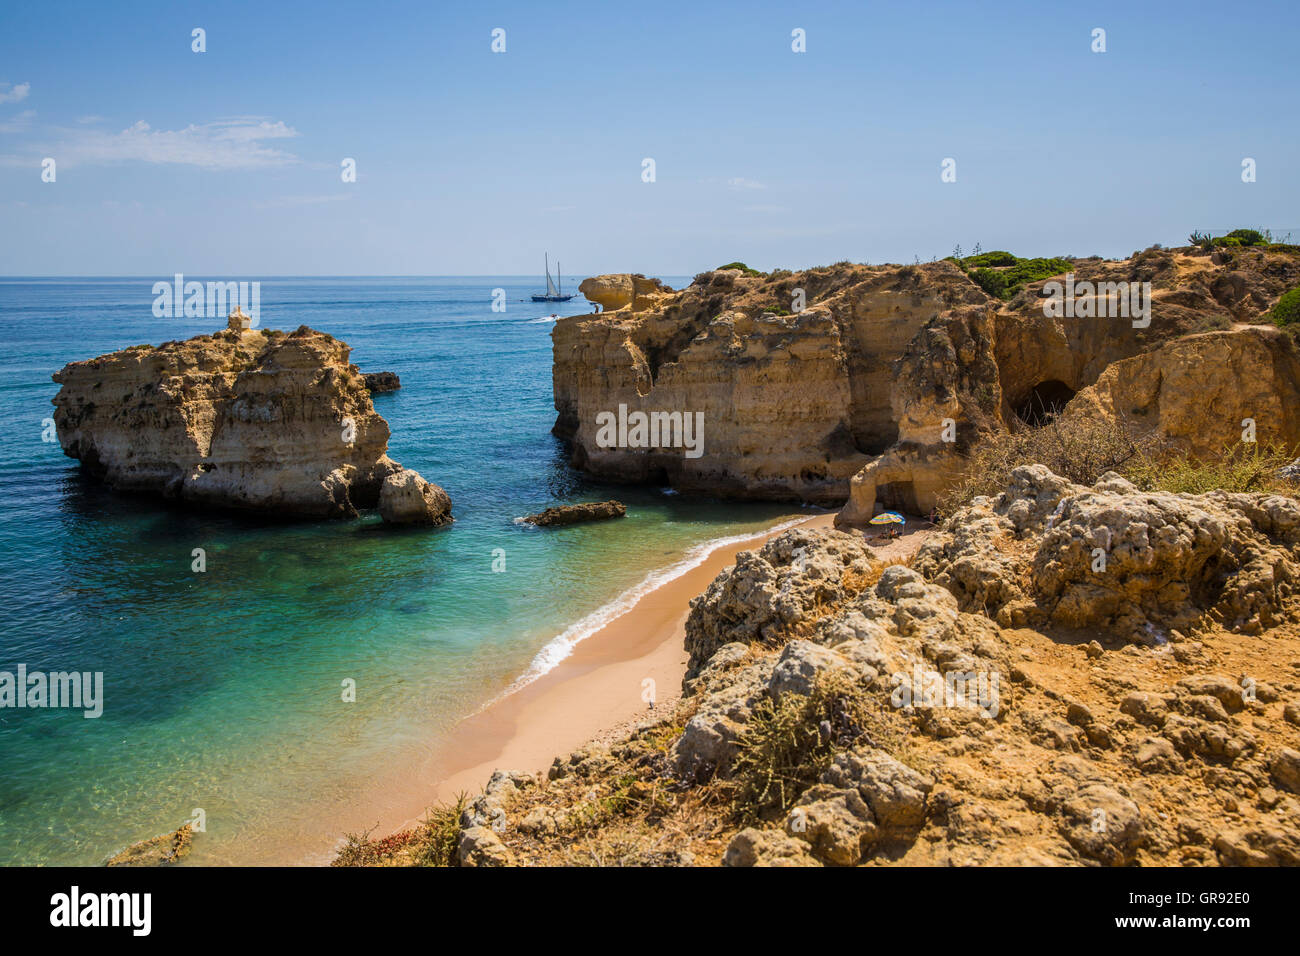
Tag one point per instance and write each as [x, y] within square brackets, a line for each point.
[468, 162]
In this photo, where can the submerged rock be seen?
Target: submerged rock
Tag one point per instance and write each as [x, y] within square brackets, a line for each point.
[572, 514]
[158, 851]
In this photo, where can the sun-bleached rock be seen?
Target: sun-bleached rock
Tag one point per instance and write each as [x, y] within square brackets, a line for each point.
[1141, 563]
[793, 402]
[945, 396]
[811, 380]
[771, 590]
[754, 847]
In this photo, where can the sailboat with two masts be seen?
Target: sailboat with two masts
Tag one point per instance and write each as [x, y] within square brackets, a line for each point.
[553, 293]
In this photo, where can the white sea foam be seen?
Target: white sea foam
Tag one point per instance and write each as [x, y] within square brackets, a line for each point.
[560, 647]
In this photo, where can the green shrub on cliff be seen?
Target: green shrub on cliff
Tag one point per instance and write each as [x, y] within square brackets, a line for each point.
[1287, 310]
[742, 267]
[1248, 237]
[1003, 283]
[790, 741]
[984, 260]
[1242, 467]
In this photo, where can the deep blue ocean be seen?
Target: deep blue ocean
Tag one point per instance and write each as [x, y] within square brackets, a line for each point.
[222, 688]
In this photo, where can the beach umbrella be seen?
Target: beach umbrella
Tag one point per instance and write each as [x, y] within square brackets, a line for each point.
[888, 517]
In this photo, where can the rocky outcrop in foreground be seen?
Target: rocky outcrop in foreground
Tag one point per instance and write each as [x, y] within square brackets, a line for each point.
[256, 420]
[572, 514]
[1008, 700]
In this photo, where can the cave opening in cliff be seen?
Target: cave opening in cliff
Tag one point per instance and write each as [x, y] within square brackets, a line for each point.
[1044, 402]
[897, 496]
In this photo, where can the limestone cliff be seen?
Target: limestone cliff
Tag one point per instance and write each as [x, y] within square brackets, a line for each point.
[1010, 366]
[871, 383]
[1196, 393]
[257, 420]
[792, 404]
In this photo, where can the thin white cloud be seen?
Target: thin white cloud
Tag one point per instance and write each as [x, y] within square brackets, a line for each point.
[238, 143]
[19, 123]
[15, 94]
[740, 182]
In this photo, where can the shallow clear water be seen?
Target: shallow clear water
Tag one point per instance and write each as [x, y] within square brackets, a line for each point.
[223, 689]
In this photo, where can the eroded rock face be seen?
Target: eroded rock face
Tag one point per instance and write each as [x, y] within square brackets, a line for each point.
[1138, 563]
[1196, 392]
[945, 396]
[248, 419]
[1060, 782]
[792, 404]
[768, 592]
[985, 732]
[860, 383]
[406, 498]
[635, 293]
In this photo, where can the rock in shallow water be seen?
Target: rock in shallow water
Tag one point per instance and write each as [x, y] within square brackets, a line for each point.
[572, 514]
[406, 498]
[159, 851]
[258, 420]
[382, 382]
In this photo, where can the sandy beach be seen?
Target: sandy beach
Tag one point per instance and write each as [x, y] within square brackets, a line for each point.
[595, 692]
[594, 695]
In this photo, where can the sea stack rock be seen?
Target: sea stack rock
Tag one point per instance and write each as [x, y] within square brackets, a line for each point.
[572, 514]
[382, 382]
[406, 498]
[250, 419]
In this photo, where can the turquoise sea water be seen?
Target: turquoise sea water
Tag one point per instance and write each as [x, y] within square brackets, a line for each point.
[222, 689]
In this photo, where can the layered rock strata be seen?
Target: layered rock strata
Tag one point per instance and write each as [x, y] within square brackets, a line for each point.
[871, 383]
[257, 420]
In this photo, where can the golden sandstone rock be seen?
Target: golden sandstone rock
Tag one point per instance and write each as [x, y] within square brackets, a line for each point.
[1198, 393]
[247, 419]
[871, 383]
[635, 293]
